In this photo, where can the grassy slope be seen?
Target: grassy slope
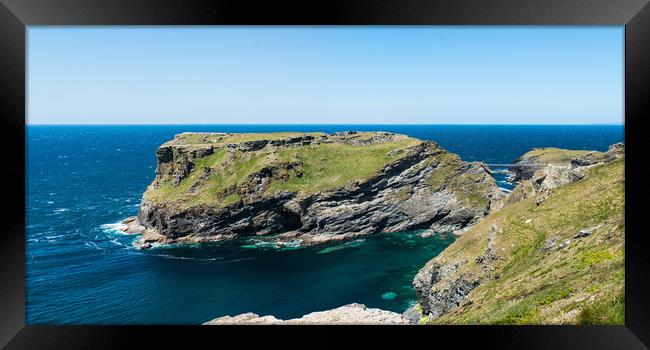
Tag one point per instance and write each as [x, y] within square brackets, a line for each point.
[326, 166]
[553, 155]
[330, 166]
[581, 283]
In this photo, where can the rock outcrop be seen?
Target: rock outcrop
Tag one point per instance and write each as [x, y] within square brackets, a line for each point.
[542, 257]
[352, 314]
[531, 162]
[313, 187]
[569, 166]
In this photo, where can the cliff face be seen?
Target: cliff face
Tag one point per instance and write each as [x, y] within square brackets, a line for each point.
[552, 255]
[312, 187]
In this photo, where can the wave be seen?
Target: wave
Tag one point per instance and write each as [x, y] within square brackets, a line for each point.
[235, 260]
[175, 257]
[211, 259]
[117, 227]
[93, 245]
[171, 246]
[167, 256]
[116, 242]
[264, 244]
[114, 234]
[347, 245]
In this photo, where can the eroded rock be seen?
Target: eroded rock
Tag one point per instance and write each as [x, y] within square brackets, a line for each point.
[541, 171]
[352, 314]
[424, 187]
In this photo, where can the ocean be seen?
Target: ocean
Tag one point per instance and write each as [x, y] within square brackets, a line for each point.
[83, 180]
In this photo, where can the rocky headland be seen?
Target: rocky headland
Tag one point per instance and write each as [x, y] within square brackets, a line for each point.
[308, 187]
[553, 255]
[541, 170]
[549, 252]
[537, 159]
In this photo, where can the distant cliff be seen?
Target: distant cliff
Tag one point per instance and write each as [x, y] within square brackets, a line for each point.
[525, 166]
[310, 187]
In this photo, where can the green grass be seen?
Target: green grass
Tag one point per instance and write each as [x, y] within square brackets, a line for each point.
[330, 166]
[446, 171]
[527, 311]
[476, 198]
[323, 167]
[227, 176]
[593, 257]
[169, 192]
[555, 286]
[553, 294]
[218, 189]
[424, 320]
[521, 313]
[554, 155]
[211, 160]
[604, 311]
[465, 185]
[230, 199]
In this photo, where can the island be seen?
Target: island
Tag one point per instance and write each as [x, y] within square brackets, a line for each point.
[308, 188]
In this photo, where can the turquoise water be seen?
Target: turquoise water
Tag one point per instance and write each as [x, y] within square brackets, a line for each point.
[82, 179]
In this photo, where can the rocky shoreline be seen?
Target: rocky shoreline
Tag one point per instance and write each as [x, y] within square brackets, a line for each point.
[417, 185]
[424, 187]
[352, 314]
[443, 285]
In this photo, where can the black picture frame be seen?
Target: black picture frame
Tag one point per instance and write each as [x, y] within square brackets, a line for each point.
[15, 15]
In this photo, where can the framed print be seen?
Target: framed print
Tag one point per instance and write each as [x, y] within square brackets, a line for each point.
[421, 170]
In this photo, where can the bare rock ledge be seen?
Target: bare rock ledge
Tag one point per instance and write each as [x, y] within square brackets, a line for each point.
[357, 314]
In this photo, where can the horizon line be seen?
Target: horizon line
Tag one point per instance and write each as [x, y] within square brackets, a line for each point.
[162, 124]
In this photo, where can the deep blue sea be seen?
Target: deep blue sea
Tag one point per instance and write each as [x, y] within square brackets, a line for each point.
[81, 180]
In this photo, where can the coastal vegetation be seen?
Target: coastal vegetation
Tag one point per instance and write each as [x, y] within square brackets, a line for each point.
[313, 187]
[316, 167]
[552, 155]
[550, 252]
[555, 262]
[330, 166]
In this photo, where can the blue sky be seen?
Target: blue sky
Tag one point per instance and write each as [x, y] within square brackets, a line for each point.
[268, 75]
